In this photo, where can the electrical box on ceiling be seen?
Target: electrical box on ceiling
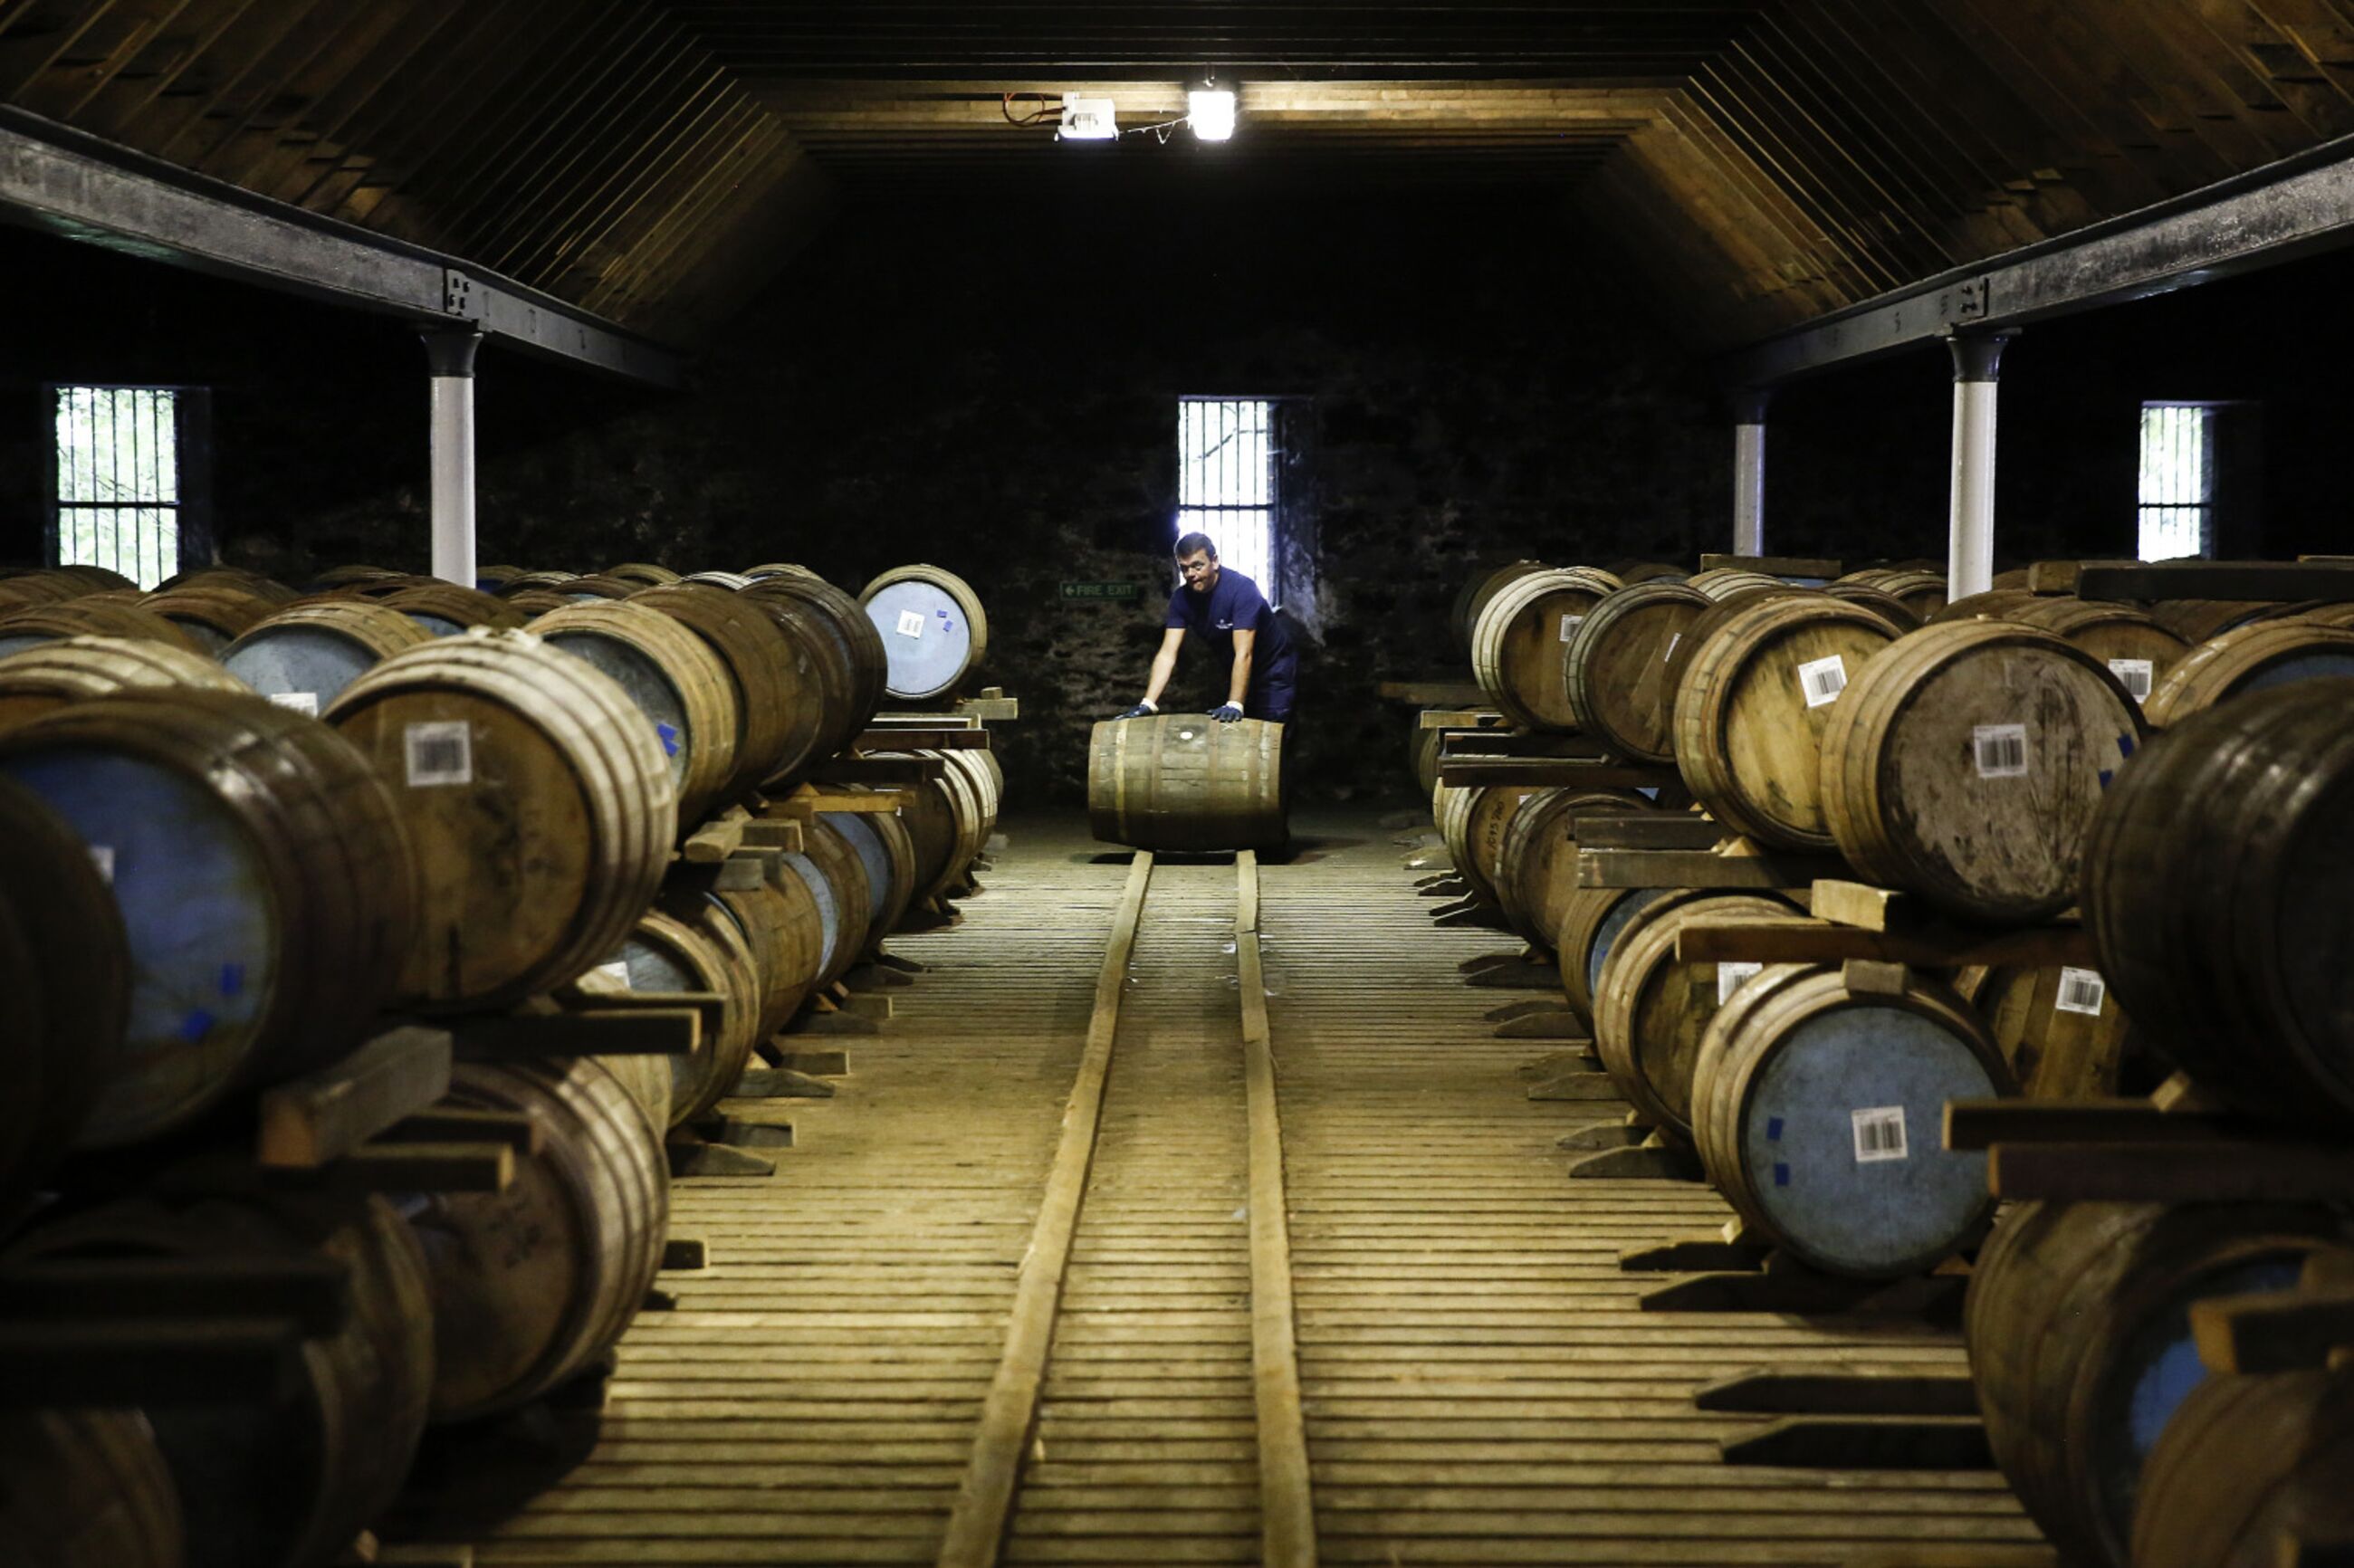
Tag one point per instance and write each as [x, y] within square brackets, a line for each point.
[1087, 119]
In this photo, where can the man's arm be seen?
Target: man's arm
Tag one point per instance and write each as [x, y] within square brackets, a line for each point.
[1245, 645]
[1164, 664]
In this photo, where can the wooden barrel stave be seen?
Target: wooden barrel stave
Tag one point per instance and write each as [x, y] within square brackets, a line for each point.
[1617, 667]
[1183, 781]
[836, 881]
[778, 705]
[2080, 1344]
[796, 606]
[43, 679]
[264, 881]
[1757, 699]
[1591, 921]
[445, 610]
[664, 953]
[933, 629]
[65, 988]
[2137, 651]
[859, 643]
[541, 812]
[213, 614]
[1472, 598]
[1520, 643]
[1818, 1110]
[887, 851]
[2214, 887]
[87, 1489]
[644, 573]
[2056, 1051]
[1537, 863]
[1650, 1008]
[671, 677]
[1965, 762]
[91, 615]
[2249, 659]
[289, 1484]
[531, 1285]
[2247, 1463]
[305, 655]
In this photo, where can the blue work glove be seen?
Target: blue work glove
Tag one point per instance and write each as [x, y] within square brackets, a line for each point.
[1229, 714]
[1141, 710]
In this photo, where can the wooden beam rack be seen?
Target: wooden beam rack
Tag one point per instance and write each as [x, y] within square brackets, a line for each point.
[1459, 718]
[808, 800]
[2174, 1147]
[1777, 566]
[873, 771]
[1732, 862]
[947, 735]
[1434, 693]
[1470, 771]
[2273, 580]
[1462, 742]
[578, 1022]
[371, 1122]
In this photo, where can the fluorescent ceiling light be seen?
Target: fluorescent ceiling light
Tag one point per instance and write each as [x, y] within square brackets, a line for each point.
[1087, 119]
[1212, 111]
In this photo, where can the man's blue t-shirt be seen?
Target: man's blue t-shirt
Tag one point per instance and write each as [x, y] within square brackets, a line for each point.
[1235, 605]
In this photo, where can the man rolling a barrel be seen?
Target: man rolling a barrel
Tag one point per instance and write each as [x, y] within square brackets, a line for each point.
[1227, 609]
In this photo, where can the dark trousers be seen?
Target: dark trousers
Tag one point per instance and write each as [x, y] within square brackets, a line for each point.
[1271, 698]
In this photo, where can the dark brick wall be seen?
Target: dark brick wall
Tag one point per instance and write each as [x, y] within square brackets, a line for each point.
[990, 386]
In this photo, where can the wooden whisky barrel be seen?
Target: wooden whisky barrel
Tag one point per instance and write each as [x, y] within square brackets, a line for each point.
[2062, 1032]
[303, 656]
[2080, 1350]
[1817, 1109]
[779, 707]
[664, 953]
[87, 1489]
[599, 585]
[1886, 605]
[1186, 781]
[1722, 583]
[263, 879]
[97, 579]
[2247, 1463]
[1997, 603]
[731, 581]
[447, 609]
[645, 573]
[843, 645]
[671, 677]
[2196, 620]
[1757, 699]
[65, 988]
[1650, 1008]
[1720, 610]
[837, 879]
[2252, 658]
[2138, 650]
[1518, 642]
[90, 615]
[533, 581]
[1537, 863]
[39, 587]
[1631, 572]
[2340, 613]
[354, 576]
[884, 847]
[1481, 586]
[778, 569]
[2216, 887]
[934, 629]
[537, 798]
[1922, 592]
[1592, 920]
[1618, 668]
[53, 676]
[212, 615]
[1965, 763]
[1473, 825]
[531, 1285]
[290, 1483]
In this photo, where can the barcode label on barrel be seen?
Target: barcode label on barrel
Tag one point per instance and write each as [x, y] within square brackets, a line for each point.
[300, 702]
[618, 971]
[1729, 977]
[102, 857]
[2082, 991]
[439, 752]
[1569, 625]
[1879, 1134]
[2134, 675]
[911, 623]
[1822, 680]
[2002, 750]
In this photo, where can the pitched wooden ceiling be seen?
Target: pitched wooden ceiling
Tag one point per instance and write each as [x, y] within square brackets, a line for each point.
[651, 160]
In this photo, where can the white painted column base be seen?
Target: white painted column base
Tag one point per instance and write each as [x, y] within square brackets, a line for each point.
[1970, 556]
[452, 355]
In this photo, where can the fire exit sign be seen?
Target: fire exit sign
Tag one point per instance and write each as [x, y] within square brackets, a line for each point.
[1101, 590]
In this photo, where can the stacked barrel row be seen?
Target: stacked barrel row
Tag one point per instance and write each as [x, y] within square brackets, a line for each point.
[203, 892]
[2004, 759]
[2215, 888]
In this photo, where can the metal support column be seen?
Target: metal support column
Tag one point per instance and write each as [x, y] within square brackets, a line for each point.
[1969, 561]
[450, 356]
[1749, 472]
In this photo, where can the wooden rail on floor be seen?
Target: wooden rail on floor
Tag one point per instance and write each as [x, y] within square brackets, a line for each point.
[976, 1526]
[1287, 1510]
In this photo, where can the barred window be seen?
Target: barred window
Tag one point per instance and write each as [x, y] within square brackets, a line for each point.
[2177, 480]
[120, 495]
[1227, 478]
